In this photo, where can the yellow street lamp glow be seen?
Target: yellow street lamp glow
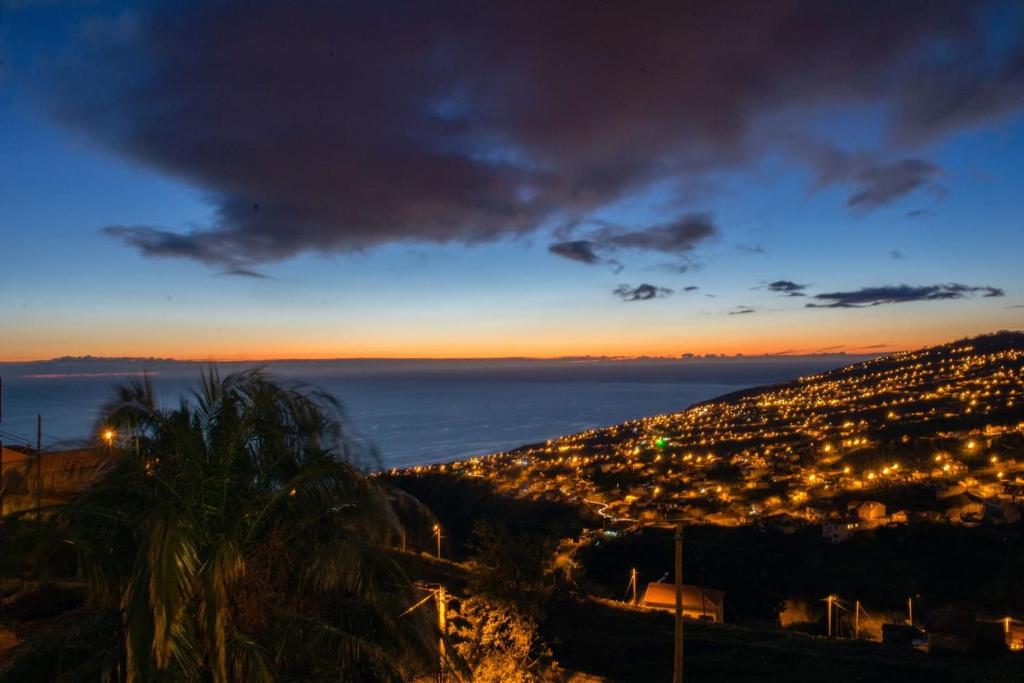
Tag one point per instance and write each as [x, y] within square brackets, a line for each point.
[108, 435]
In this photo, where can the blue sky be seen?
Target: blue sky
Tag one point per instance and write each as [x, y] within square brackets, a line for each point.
[67, 287]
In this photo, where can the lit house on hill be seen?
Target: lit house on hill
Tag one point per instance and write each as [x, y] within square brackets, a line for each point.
[698, 602]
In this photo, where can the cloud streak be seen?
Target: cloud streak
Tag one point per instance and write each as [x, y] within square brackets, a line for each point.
[644, 292]
[787, 287]
[899, 294]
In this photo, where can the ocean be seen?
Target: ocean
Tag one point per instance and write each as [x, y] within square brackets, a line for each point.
[413, 411]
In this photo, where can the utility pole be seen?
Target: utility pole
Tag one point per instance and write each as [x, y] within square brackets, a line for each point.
[442, 622]
[828, 601]
[677, 669]
[437, 532]
[39, 468]
[632, 581]
[856, 620]
[910, 610]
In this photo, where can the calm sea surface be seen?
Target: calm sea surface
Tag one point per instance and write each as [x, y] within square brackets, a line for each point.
[415, 412]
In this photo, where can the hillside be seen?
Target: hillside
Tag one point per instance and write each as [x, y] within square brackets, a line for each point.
[930, 435]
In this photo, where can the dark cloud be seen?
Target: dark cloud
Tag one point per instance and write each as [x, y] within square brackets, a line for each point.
[787, 287]
[333, 126]
[245, 272]
[976, 82]
[897, 254]
[577, 250]
[691, 288]
[916, 213]
[678, 238]
[642, 292]
[898, 294]
[743, 310]
[584, 251]
[880, 184]
[156, 242]
[873, 182]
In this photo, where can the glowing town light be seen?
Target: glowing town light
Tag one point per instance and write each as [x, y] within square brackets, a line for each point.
[108, 435]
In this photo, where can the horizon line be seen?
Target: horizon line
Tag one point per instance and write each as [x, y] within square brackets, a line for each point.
[583, 357]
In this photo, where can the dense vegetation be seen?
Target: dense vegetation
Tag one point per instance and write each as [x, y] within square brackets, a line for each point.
[229, 540]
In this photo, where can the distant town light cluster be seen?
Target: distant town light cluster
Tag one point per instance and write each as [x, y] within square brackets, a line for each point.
[946, 421]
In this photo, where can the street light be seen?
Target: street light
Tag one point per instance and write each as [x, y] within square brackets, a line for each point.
[437, 533]
[108, 436]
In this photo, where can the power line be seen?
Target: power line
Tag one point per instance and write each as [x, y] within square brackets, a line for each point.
[22, 439]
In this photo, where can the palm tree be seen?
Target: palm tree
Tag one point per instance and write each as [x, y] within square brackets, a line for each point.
[231, 539]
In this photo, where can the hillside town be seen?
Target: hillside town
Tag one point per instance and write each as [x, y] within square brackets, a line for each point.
[935, 435]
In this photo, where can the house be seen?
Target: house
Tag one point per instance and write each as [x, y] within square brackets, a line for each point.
[698, 602]
[723, 519]
[964, 509]
[814, 514]
[1014, 632]
[899, 517]
[902, 635]
[871, 513]
[838, 530]
[55, 479]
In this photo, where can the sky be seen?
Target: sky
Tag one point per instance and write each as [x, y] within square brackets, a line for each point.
[263, 179]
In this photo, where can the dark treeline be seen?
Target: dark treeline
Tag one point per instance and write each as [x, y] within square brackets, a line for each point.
[461, 503]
